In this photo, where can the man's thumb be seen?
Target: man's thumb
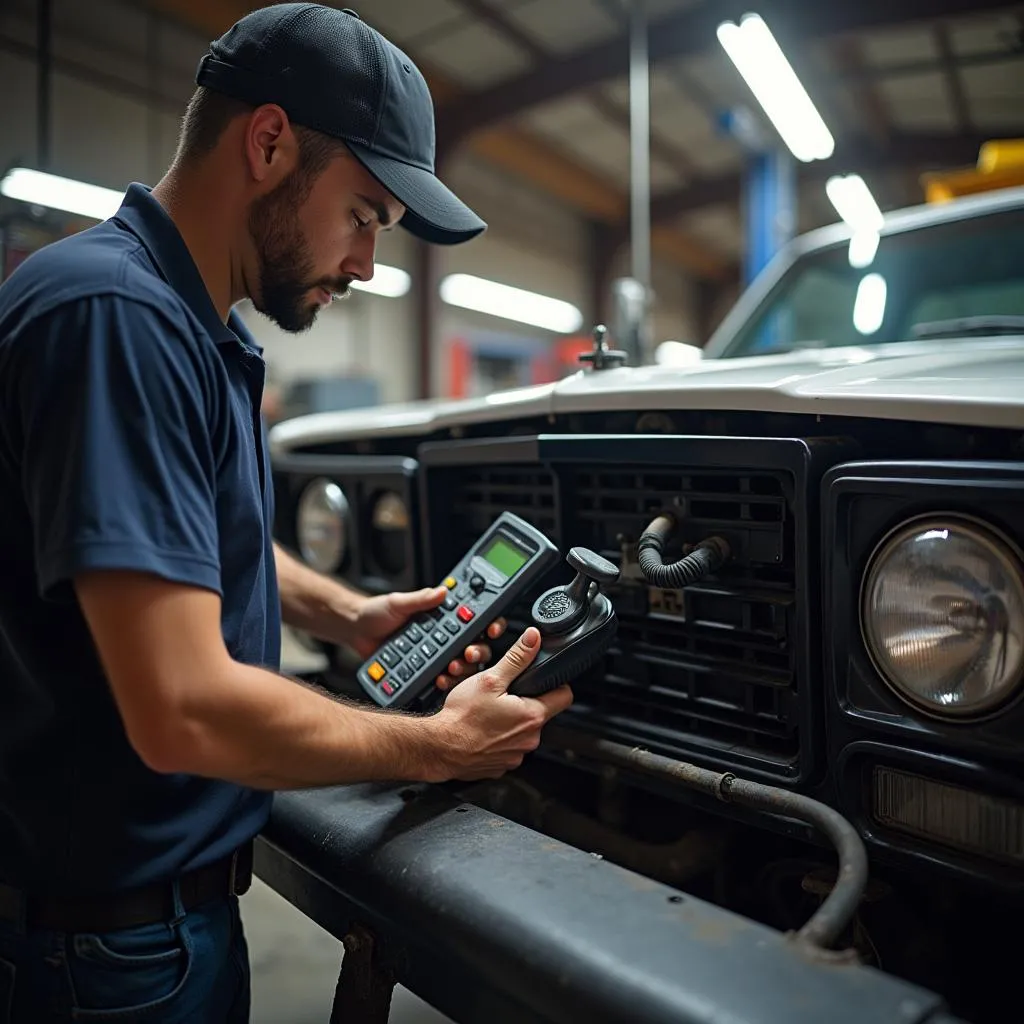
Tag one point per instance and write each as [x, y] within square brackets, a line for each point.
[517, 658]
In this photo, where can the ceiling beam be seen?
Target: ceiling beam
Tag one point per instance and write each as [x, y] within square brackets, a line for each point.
[693, 90]
[910, 68]
[680, 34]
[862, 156]
[847, 56]
[561, 178]
[667, 152]
[525, 156]
[540, 164]
[954, 81]
[871, 114]
[552, 172]
[607, 107]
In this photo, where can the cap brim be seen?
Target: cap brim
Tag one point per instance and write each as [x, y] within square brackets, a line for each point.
[433, 212]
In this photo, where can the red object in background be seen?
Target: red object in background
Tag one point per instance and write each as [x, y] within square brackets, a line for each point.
[560, 360]
[568, 351]
[460, 361]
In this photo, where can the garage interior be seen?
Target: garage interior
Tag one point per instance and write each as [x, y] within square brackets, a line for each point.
[533, 125]
[615, 151]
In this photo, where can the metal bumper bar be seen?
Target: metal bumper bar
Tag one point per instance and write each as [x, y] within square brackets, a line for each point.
[492, 922]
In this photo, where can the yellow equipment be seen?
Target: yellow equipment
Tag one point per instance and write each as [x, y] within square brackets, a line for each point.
[1000, 165]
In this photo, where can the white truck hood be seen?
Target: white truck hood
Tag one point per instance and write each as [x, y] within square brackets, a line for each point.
[978, 382]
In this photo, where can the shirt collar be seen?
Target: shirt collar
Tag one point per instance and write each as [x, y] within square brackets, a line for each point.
[142, 214]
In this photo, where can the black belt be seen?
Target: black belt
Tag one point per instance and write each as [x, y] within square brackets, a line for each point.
[129, 908]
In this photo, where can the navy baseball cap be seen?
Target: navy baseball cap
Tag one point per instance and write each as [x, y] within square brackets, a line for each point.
[332, 72]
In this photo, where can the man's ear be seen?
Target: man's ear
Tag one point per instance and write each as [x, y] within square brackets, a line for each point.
[271, 149]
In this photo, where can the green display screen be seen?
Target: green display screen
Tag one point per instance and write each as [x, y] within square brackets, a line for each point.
[505, 558]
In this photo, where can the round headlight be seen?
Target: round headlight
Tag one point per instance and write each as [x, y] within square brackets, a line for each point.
[942, 613]
[389, 527]
[322, 525]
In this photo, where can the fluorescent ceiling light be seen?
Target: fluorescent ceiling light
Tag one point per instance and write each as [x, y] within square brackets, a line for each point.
[869, 307]
[391, 282]
[759, 59]
[863, 246]
[510, 303]
[854, 202]
[58, 193]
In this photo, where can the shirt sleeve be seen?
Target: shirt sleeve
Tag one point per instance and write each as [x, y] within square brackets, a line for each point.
[118, 467]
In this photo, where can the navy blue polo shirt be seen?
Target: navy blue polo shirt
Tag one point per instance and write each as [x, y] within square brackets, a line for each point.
[130, 438]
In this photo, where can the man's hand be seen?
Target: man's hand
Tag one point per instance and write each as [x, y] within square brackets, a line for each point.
[379, 617]
[488, 731]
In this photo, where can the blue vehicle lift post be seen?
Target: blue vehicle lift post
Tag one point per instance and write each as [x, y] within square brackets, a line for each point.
[769, 200]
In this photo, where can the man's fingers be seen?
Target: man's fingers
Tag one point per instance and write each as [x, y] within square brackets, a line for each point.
[517, 658]
[496, 628]
[478, 653]
[554, 702]
[457, 668]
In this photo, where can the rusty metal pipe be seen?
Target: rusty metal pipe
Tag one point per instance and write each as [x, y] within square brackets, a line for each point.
[674, 863]
[839, 906]
[836, 911]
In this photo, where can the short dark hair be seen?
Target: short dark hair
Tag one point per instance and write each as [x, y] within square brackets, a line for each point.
[208, 114]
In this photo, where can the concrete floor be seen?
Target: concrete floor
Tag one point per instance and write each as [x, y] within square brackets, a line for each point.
[295, 966]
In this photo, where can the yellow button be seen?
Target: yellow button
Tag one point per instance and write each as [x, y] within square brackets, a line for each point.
[451, 582]
[376, 671]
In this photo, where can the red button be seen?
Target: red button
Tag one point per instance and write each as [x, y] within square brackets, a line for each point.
[465, 614]
[387, 688]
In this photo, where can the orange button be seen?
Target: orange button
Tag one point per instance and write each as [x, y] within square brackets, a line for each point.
[377, 671]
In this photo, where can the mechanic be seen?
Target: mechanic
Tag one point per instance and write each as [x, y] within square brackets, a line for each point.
[143, 722]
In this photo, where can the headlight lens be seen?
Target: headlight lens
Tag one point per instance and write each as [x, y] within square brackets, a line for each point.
[322, 525]
[389, 527]
[943, 616]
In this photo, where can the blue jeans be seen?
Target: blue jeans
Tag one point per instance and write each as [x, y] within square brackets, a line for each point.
[191, 970]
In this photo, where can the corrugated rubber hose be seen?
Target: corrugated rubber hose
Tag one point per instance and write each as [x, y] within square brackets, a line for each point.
[708, 556]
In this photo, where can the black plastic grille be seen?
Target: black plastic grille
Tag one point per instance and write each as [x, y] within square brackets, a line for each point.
[711, 666]
[710, 669]
[481, 494]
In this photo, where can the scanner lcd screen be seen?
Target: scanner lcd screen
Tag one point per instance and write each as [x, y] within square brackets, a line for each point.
[505, 557]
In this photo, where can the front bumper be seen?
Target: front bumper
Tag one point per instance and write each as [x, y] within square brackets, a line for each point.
[492, 922]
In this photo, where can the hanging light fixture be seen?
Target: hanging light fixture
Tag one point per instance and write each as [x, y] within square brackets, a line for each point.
[752, 47]
[390, 282]
[502, 300]
[56, 193]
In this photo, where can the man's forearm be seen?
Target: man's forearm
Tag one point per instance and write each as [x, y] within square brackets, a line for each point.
[313, 602]
[263, 730]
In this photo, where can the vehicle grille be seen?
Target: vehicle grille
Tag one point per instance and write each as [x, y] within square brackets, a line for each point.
[482, 494]
[709, 670]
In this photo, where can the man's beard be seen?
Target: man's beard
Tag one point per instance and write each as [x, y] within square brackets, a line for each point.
[286, 270]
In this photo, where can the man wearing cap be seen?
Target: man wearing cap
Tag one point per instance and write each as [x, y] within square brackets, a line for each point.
[143, 722]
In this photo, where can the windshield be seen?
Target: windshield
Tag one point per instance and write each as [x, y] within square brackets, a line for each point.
[969, 268]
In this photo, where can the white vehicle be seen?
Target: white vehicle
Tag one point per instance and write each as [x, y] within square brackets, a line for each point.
[855, 434]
